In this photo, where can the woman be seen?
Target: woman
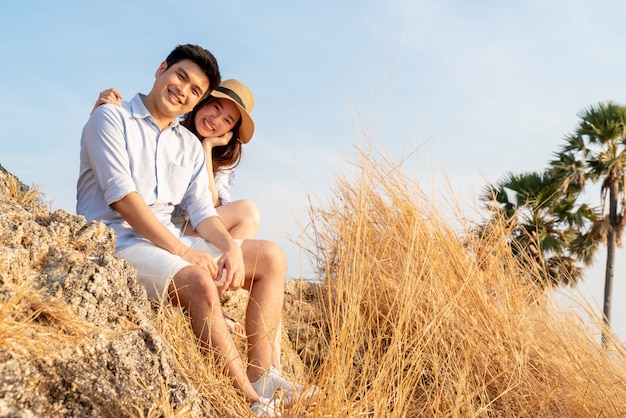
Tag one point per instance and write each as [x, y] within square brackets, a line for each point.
[223, 124]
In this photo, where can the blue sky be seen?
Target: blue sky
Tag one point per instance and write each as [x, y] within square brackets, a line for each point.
[480, 88]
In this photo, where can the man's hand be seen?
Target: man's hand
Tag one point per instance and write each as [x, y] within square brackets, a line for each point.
[232, 263]
[212, 229]
[200, 259]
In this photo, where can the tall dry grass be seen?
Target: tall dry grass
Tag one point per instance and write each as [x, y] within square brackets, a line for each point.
[422, 320]
[416, 319]
[202, 370]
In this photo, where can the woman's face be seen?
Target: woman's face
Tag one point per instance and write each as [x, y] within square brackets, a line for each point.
[215, 119]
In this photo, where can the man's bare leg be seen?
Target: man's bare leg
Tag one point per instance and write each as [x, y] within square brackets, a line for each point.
[266, 270]
[193, 289]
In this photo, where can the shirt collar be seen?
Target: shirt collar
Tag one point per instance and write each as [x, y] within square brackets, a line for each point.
[139, 111]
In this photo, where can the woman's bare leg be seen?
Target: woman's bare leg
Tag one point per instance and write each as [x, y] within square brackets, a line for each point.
[241, 218]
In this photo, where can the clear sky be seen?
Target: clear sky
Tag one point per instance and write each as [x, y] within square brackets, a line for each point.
[480, 88]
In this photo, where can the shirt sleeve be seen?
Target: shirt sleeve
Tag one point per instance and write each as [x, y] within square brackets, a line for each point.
[198, 201]
[105, 146]
[224, 178]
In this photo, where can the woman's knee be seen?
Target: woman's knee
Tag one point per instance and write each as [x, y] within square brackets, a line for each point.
[249, 213]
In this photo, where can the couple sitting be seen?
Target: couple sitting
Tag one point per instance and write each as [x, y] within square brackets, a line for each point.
[138, 166]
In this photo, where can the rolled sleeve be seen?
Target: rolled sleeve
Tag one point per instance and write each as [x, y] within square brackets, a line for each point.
[104, 173]
[105, 146]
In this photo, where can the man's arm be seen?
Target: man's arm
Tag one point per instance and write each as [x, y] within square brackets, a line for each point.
[137, 213]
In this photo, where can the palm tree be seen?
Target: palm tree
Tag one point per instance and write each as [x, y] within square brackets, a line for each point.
[546, 226]
[595, 152]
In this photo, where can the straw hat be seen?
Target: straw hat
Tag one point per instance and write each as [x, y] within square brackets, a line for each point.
[240, 94]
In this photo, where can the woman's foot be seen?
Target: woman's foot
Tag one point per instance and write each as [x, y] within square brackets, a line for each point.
[235, 327]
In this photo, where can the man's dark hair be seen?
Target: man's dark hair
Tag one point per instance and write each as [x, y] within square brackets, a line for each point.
[202, 57]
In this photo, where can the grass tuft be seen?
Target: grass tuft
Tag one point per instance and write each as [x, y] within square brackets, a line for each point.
[21, 193]
[425, 321]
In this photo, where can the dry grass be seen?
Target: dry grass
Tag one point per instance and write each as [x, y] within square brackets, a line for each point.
[21, 193]
[45, 331]
[30, 326]
[424, 322]
[201, 370]
[418, 320]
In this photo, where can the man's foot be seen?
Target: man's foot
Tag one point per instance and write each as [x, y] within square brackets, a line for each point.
[235, 327]
[272, 381]
[265, 408]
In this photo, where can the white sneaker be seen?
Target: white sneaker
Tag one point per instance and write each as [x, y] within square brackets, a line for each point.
[265, 408]
[272, 381]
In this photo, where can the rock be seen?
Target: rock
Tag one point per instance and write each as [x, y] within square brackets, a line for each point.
[76, 333]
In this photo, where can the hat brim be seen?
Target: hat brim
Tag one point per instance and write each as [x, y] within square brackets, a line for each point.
[246, 130]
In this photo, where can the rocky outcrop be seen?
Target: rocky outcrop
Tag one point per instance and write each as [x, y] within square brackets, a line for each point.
[57, 271]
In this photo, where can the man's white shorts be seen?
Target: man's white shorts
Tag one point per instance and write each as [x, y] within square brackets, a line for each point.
[156, 266]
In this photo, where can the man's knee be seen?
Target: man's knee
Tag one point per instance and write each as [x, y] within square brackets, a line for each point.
[271, 255]
[190, 284]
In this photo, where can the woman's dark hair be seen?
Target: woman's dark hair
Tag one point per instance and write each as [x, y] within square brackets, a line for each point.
[228, 155]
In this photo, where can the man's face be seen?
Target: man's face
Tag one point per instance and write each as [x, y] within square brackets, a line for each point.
[177, 89]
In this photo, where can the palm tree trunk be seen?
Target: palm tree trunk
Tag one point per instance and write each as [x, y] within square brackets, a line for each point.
[610, 257]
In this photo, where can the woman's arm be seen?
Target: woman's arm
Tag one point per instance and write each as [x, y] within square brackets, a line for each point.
[110, 96]
[208, 150]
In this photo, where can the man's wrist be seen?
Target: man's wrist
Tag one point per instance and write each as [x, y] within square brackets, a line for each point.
[181, 250]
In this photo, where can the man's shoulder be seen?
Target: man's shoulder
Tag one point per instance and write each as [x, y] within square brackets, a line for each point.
[112, 111]
[126, 113]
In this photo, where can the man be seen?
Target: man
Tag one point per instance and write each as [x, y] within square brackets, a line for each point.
[136, 164]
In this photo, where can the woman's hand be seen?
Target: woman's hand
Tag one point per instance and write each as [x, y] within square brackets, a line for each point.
[217, 141]
[108, 96]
